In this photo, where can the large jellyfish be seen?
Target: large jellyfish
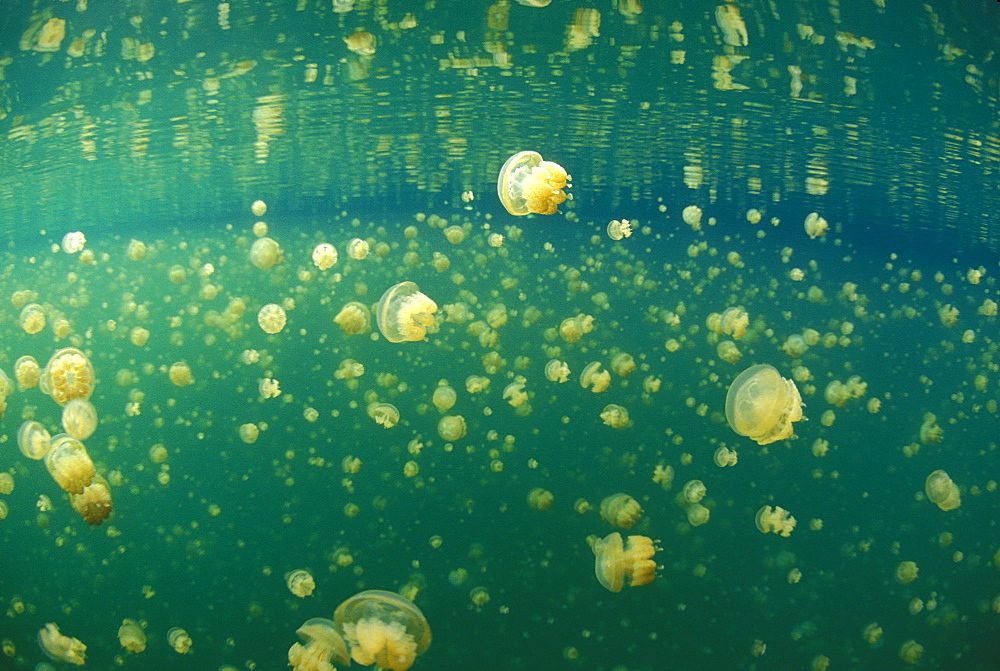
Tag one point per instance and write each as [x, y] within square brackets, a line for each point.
[762, 405]
[383, 628]
[323, 644]
[404, 313]
[616, 561]
[527, 184]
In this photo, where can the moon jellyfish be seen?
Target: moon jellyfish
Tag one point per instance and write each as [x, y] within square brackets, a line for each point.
[79, 418]
[383, 628]
[762, 405]
[615, 561]
[527, 184]
[61, 648]
[404, 313]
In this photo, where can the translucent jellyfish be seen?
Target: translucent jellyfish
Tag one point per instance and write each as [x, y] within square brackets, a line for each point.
[358, 249]
[68, 375]
[249, 433]
[725, 457]
[180, 374]
[514, 393]
[324, 256]
[529, 184]
[403, 313]
[540, 499]
[94, 502]
[354, 318]
[269, 388]
[361, 42]
[452, 427]
[6, 482]
[621, 510]
[444, 397]
[942, 491]
[557, 371]
[300, 583]
[615, 561]
[728, 352]
[349, 369]
[74, 242]
[131, 636]
[573, 328]
[61, 648]
[815, 225]
[32, 318]
[33, 440]
[615, 416]
[265, 253]
[762, 405]
[775, 520]
[383, 628]
[476, 384]
[930, 431]
[693, 491]
[27, 372]
[384, 414]
[619, 229]
[623, 364]
[697, 514]
[911, 651]
[179, 640]
[271, 318]
[734, 321]
[906, 572]
[79, 418]
[594, 377]
[69, 464]
[323, 645]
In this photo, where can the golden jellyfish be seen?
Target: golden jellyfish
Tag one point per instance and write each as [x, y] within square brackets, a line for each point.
[911, 651]
[384, 414]
[27, 372]
[444, 397]
[324, 256]
[33, 440]
[139, 336]
[131, 636]
[269, 388]
[697, 514]
[615, 416]
[557, 371]
[358, 249]
[68, 375]
[725, 457]
[179, 640]
[349, 369]
[906, 572]
[540, 499]
[354, 318]
[815, 225]
[476, 384]
[60, 647]
[361, 42]
[180, 374]
[693, 491]
[265, 253]
[762, 405]
[621, 510]
[405, 314]
[572, 329]
[619, 229]
[734, 322]
[514, 393]
[300, 583]
[69, 464]
[271, 318]
[32, 318]
[930, 431]
[249, 433]
[528, 184]
[74, 242]
[452, 427]
[383, 628]
[79, 418]
[94, 502]
[728, 352]
[616, 560]
[6, 483]
[323, 645]
[595, 378]
[942, 491]
[775, 520]
[623, 364]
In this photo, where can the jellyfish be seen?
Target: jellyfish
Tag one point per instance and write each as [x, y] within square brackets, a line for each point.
[404, 313]
[725, 457]
[324, 256]
[734, 322]
[74, 242]
[906, 572]
[179, 640]
[383, 628]
[444, 397]
[942, 491]
[131, 636]
[594, 377]
[358, 249]
[33, 440]
[930, 430]
[384, 414]
[572, 329]
[249, 433]
[529, 184]
[615, 416]
[619, 229]
[300, 583]
[271, 318]
[615, 561]
[68, 375]
[32, 318]
[815, 225]
[349, 369]
[623, 364]
[693, 491]
[269, 388]
[476, 384]
[540, 499]
[557, 371]
[514, 392]
[361, 42]
[762, 405]
[94, 502]
[69, 464]
[79, 418]
[180, 374]
[59, 647]
[728, 352]
[452, 427]
[621, 510]
[775, 520]
[323, 645]
[27, 372]
[265, 253]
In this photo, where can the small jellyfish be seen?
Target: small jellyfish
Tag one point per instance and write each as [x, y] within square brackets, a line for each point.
[61, 648]
[74, 242]
[180, 374]
[615, 416]
[323, 645]
[32, 318]
[615, 561]
[942, 491]
[540, 499]
[404, 313]
[94, 502]
[619, 229]
[79, 418]
[68, 375]
[361, 42]
[249, 433]
[775, 520]
[595, 378]
[621, 510]
[358, 249]
[815, 225]
[384, 414]
[354, 319]
[300, 583]
[623, 364]
[725, 457]
[452, 427]
[33, 440]
[6, 482]
[444, 397]
[906, 572]
[271, 318]
[131, 636]
[557, 371]
[930, 430]
[762, 405]
[383, 628]
[514, 393]
[527, 184]
[324, 256]
[265, 253]
[269, 388]
[179, 640]
[69, 464]
[27, 372]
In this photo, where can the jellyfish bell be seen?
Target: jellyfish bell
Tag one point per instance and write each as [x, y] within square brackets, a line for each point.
[94, 502]
[60, 647]
[383, 628]
[179, 640]
[762, 405]
[68, 375]
[131, 636]
[616, 561]
[354, 318]
[405, 314]
[69, 464]
[621, 510]
[79, 418]
[528, 184]
[300, 583]
[323, 644]
[942, 491]
[33, 440]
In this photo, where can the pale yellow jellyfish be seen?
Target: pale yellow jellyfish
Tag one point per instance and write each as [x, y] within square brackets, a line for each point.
[384, 414]
[476, 384]
[249, 433]
[269, 388]
[358, 249]
[621, 510]
[452, 427]
[725, 457]
[179, 640]
[61, 648]
[693, 491]
[69, 464]
[911, 651]
[444, 397]
[620, 229]
[615, 561]
[728, 352]
[271, 318]
[572, 329]
[94, 502]
[383, 628]
[73, 243]
[27, 372]
[775, 520]
[557, 371]
[6, 483]
[79, 418]
[942, 491]
[361, 42]
[300, 583]
[403, 313]
[623, 364]
[906, 572]
[514, 393]
[615, 416]
[68, 375]
[697, 514]
[815, 225]
[762, 405]
[32, 318]
[540, 499]
[349, 369]
[180, 374]
[594, 377]
[930, 431]
[265, 253]
[527, 184]
[323, 645]
[872, 633]
[33, 440]
[131, 636]
[734, 321]
[324, 256]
